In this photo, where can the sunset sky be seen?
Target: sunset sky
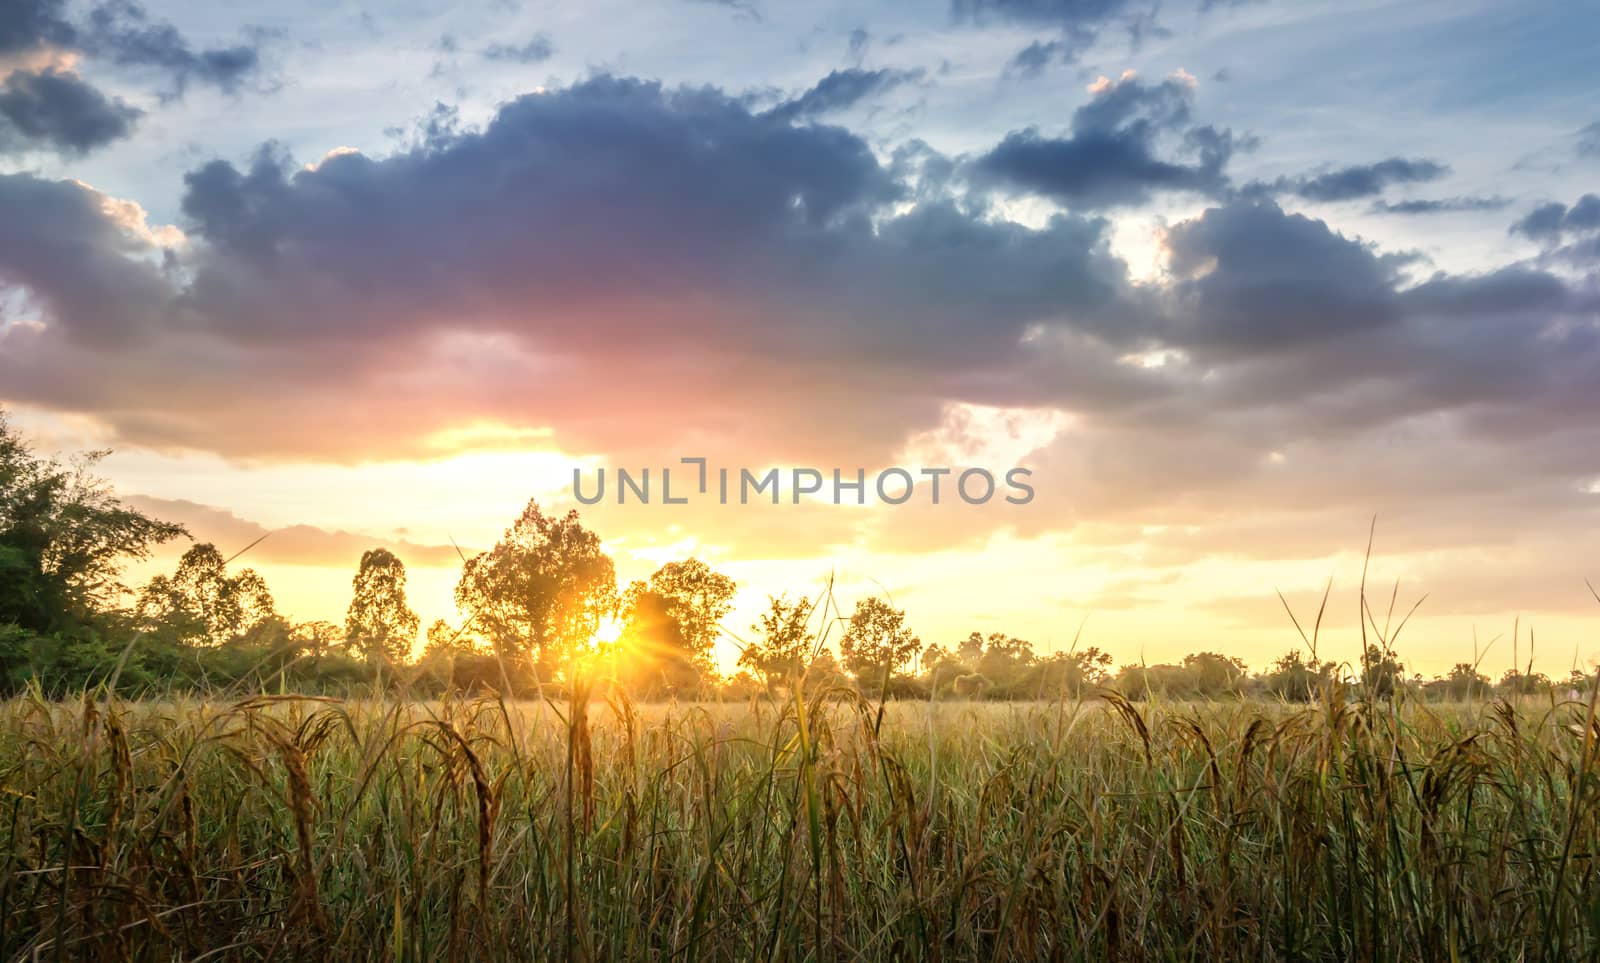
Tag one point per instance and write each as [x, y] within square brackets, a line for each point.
[1230, 278]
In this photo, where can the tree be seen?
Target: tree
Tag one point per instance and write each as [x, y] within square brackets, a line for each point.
[1070, 673]
[877, 640]
[1005, 664]
[1294, 679]
[318, 637]
[656, 656]
[1213, 673]
[784, 644]
[697, 598]
[1465, 682]
[200, 604]
[444, 637]
[1381, 673]
[542, 590]
[379, 624]
[970, 651]
[1524, 683]
[1005, 659]
[64, 538]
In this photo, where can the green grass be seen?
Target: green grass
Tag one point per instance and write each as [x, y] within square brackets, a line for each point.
[834, 830]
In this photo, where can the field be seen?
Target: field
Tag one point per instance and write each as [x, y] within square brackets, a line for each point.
[833, 829]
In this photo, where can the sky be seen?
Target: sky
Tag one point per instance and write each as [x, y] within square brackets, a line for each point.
[1236, 283]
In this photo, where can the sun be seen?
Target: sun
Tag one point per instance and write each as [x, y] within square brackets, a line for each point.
[609, 630]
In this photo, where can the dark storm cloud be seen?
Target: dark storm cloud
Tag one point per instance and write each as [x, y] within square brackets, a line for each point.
[59, 111]
[842, 89]
[1361, 180]
[1441, 205]
[537, 50]
[1110, 155]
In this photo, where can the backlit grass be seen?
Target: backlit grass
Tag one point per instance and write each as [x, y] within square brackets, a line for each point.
[827, 828]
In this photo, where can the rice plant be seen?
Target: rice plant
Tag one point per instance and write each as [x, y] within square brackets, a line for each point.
[816, 827]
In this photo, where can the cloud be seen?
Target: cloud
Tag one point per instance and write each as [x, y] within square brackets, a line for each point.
[1255, 279]
[653, 272]
[538, 49]
[623, 234]
[31, 24]
[123, 32]
[856, 47]
[70, 249]
[1077, 23]
[1589, 140]
[746, 9]
[1109, 157]
[1360, 180]
[1548, 223]
[1032, 60]
[57, 110]
[45, 105]
[290, 545]
[1441, 205]
[842, 89]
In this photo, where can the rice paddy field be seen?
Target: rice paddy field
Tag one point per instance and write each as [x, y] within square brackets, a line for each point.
[819, 829]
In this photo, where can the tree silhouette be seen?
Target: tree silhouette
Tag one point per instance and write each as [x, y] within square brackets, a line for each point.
[1296, 679]
[694, 596]
[657, 656]
[318, 637]
[379, 624]
[1381, 673]
[63, 538]
[877, 640]
[784, 643]
[542, 590]
[201, 604]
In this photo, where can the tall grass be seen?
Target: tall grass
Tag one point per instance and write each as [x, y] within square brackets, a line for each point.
[827, 828]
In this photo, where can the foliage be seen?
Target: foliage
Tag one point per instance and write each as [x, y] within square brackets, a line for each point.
[655, 656]
[201, 604]
[64, 539]
[1295, 679]
[541, 592]
[784, 644]
[379, 624]
[877, 642]
[1201, 675]
[1381, 672]
[694, 597]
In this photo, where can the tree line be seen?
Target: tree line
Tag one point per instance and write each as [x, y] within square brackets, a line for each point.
[539, 608]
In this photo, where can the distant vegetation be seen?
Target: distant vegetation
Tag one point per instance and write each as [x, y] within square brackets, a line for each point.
[543, 608]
